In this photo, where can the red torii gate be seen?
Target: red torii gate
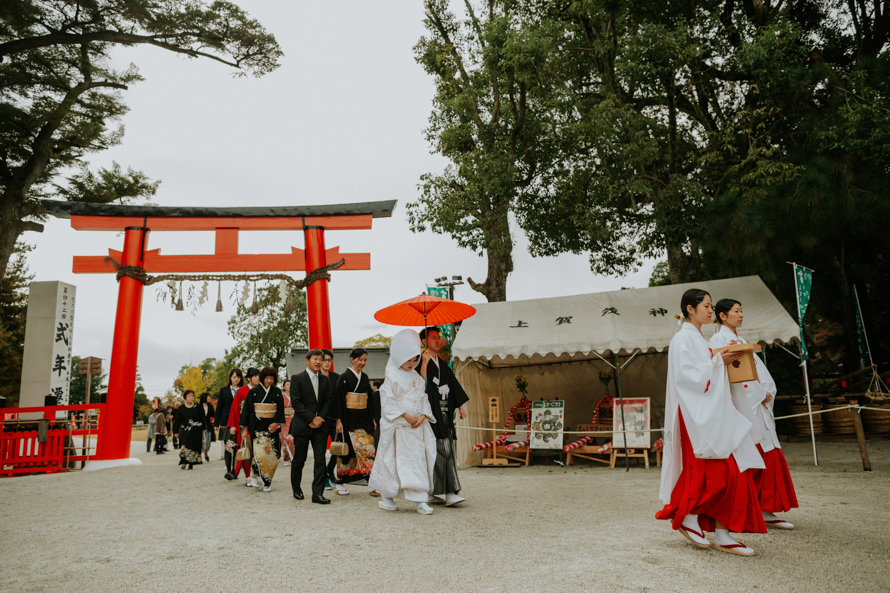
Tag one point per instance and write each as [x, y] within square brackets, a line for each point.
[137, 221]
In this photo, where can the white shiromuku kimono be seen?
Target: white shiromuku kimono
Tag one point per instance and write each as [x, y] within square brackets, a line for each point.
[749, 396]
[405, 456]
[698, 386]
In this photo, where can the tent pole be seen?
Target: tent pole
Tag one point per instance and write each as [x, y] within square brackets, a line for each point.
[621, 407]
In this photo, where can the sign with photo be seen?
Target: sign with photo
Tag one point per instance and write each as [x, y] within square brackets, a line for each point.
[636, 419]
[548, 424]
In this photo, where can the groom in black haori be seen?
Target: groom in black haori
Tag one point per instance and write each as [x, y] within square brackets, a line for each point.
[446, 396]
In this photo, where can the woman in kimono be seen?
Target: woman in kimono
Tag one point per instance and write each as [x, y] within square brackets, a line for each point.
[705, 485]
[286, 440]
[755, 399]
[253, 379]
[192, 425]
[406, 455]
[355, 420]
[261, 420]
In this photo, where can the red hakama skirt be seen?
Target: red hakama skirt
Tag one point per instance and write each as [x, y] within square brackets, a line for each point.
[715, 490]
[774, 483]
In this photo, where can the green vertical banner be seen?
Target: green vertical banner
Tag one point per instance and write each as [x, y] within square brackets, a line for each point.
[862, 339]
[441, 292]
[803, 278]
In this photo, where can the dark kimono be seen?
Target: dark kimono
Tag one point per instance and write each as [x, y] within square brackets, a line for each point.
[262, 408]
[444, 405]
[355, 416]
[192, 424]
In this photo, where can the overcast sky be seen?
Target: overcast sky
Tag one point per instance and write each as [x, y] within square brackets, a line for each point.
[341, 120]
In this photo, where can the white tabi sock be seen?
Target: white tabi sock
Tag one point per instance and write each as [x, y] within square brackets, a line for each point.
[691, 521]
[722, 538]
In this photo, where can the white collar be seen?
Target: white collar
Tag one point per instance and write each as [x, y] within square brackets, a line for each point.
[357, 375]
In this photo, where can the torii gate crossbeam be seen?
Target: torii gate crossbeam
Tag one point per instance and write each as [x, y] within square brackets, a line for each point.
[137, 221]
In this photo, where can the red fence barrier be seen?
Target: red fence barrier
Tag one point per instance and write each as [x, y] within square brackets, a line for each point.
[26, 447]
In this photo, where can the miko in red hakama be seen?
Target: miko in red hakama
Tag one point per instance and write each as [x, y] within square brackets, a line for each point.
[755, 400]
[707, 450]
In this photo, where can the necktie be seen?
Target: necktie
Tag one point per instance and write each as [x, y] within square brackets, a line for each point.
[315, 384]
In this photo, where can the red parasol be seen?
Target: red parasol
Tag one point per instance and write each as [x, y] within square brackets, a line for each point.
[424, 310]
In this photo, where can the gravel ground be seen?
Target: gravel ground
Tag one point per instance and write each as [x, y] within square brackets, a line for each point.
[155, 528]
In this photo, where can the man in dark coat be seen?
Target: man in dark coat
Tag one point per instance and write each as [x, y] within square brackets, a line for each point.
[310, 397]
[446, 396]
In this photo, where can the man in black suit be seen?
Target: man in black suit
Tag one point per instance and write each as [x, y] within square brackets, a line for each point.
[446, 396]
[310, 397]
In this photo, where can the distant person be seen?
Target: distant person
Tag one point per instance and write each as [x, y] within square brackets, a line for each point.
[310, 396]
[221, 419]
[261, 419]
[209, 414]
[177, 425]
[192, 425]
[705, 482]
[168, 417]
[755, 400]
[152, 422]
[160, 431]
[253, 379]
[446, 397]
[406, 455]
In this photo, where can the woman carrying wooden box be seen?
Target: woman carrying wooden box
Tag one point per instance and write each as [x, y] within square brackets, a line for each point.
[755, 399]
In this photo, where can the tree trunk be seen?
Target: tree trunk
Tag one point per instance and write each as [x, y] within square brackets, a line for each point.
[499, 250]
[10, 229]
[682, 267]
[851, 338]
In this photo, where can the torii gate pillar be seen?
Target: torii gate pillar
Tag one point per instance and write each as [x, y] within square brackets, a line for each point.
[317, 302]
[124, 351]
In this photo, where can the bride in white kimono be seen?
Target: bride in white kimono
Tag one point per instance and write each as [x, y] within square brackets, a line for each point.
[406, 452]
[707, 449]
[755, 400]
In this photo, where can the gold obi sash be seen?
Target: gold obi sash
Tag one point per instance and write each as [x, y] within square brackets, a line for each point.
[356, 401]
[265, 411]
[288, 412]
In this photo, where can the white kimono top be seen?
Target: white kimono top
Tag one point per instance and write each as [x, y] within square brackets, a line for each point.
[749, 396]
[698, 386]
[406, 456]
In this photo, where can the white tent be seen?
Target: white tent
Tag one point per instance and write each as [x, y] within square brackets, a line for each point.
[561, 344]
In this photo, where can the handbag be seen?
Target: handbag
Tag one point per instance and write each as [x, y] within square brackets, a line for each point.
[339, 448]
[243, 454]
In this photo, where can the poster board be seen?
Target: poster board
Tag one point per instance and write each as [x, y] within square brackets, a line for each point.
[637, 417]
[548, 424]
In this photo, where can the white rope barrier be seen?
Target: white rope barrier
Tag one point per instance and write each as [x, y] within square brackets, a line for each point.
[604, 432]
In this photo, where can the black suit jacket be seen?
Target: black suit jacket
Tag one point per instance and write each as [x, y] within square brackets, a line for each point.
[306, 406]
[223, 405]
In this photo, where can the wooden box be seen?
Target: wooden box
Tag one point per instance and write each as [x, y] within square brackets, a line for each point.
[742, 369]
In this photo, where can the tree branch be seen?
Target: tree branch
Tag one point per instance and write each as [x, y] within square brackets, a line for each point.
[55, 39]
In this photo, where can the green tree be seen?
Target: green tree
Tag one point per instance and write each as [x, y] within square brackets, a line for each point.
[267, 336]
[728, 136]
[60, 97]
[13, 313]
[485, 124]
